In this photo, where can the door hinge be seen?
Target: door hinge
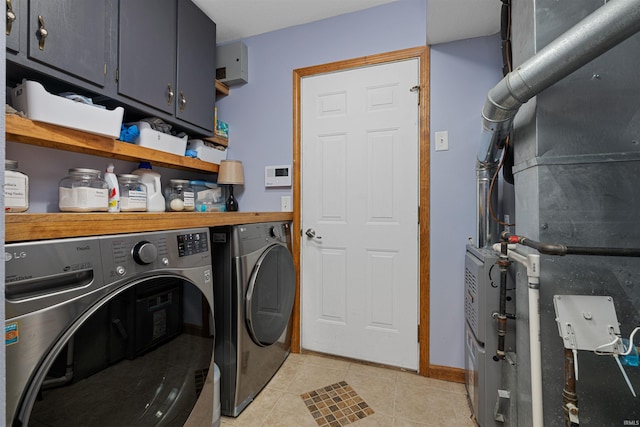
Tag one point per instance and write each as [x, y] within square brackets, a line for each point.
[418, 332]
[117, 75]
[418, 214]
[105, 70]
[416, 89]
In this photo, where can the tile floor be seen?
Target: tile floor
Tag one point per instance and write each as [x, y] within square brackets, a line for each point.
[397, 398]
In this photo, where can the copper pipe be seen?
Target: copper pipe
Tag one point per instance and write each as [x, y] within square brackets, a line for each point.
[569, 395]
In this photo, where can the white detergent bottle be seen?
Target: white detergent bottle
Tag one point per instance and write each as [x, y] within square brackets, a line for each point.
[114, 189]
[155, 199]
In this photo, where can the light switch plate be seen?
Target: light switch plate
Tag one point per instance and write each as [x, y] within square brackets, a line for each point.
[285, 203]
[442, 140]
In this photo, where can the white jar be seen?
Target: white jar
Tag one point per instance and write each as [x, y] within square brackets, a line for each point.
[83, 190]
[16, 188]
[133, 193]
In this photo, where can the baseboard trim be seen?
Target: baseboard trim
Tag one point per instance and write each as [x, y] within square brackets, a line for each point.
[437, 372]
[446, 373]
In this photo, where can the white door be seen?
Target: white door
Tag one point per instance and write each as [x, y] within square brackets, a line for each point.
[360, 193]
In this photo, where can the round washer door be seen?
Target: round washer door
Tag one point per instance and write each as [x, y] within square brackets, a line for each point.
[270, 295]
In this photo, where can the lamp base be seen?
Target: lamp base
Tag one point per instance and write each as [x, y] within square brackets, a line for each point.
[231, 204]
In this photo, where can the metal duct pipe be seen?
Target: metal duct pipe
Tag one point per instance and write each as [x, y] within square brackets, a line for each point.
[605, 28]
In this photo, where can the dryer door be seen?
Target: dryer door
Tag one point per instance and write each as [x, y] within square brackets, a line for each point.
[270, 295]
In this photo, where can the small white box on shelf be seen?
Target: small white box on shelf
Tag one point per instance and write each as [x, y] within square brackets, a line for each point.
[207, 152]
[37, 104]
[161, 141]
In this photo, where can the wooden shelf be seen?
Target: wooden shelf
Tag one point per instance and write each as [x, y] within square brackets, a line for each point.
[39, 226]
[221, 89]
[220, 140]
[45, 135]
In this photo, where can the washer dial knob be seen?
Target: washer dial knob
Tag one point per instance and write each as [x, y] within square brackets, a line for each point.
[145, 252]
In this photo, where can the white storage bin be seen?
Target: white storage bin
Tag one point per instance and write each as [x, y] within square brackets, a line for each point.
[159, 140]
[31, 98]
[207, 153]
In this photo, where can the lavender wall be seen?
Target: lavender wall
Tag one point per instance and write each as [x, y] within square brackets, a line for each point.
[462, 72]
[260, 117]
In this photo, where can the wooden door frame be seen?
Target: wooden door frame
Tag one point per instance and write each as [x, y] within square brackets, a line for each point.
[422, 53]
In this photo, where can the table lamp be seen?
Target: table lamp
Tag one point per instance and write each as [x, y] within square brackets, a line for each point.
[231, 173]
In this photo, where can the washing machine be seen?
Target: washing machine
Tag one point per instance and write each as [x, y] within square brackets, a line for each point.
[110, 331]
[254, 286]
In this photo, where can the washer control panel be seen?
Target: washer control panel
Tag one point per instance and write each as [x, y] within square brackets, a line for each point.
[127, 254]
[193, 243]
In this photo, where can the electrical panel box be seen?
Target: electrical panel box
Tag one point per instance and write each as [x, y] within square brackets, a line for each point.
[232, 62]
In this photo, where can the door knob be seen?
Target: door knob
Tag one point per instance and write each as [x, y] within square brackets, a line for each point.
[311, 233]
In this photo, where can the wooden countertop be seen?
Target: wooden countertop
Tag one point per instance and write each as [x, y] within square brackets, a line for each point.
[39, 226]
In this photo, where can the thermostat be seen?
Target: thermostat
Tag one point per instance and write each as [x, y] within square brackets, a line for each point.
[277, 176]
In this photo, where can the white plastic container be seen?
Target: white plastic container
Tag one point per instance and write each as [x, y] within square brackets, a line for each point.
[150, 178]
[31, 98]
[150, 138]
[206, 152]
[114, 189]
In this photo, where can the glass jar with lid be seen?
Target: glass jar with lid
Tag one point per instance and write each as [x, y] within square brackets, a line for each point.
[133, 193]
[181, 196]
[16, 188]
[83, 190]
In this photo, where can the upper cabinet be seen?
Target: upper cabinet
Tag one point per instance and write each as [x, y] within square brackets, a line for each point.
[196, 88]
[172, 71]
[70, 35]
[66, 37]
[153, 57]
[147, 52]
[13, 25]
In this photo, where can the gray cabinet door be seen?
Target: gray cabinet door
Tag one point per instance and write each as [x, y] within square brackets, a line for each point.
[75, 40]
[196, 66]
[147, 52]
[13, 29]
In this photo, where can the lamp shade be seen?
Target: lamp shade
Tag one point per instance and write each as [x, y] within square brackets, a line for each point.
[230, 172]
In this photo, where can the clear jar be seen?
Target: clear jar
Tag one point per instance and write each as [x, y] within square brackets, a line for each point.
[133, 193]
[83, 190]
[16, 188]
[181, 196]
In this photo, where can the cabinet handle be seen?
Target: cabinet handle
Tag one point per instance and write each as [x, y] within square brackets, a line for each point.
[183, 101]
[42, 32]
[170, 99]
[10, 16]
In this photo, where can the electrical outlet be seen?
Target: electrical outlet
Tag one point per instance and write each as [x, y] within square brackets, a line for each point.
[285, 203]
[442, 140]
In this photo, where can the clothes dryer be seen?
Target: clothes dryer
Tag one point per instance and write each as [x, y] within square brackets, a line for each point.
[110, 331]
[254, 285]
